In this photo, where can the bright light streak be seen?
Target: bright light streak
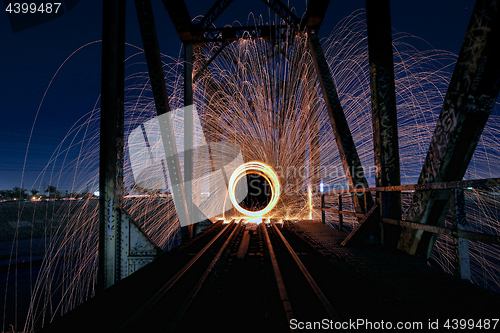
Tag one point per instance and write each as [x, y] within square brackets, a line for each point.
[260, 169]
[310, 203]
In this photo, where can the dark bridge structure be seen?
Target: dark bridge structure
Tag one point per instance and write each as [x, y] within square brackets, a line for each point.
[282, 274]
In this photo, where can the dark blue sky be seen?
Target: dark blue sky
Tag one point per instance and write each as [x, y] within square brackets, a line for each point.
[30, 58]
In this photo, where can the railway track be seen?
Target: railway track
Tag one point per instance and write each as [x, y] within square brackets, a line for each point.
[248, 276]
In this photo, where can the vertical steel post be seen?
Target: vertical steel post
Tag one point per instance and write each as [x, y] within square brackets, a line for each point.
[323, 217]
[111, 140]
[461, 245]
[310, 102]
[384, 114]
[341, 217]
[188, 131]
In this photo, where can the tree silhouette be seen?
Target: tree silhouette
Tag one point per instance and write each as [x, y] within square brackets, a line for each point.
[52, 192]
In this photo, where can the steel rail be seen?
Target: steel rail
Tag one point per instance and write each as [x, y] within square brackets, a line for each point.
[160, 293]
[279, 278]
[317, 290]
[194, 292]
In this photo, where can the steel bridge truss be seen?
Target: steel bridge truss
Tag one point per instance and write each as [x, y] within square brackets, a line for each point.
[471, 95]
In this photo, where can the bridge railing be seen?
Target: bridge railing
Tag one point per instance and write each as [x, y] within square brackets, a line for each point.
[458, 231]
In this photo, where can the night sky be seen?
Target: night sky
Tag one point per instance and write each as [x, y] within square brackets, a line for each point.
[31, 57]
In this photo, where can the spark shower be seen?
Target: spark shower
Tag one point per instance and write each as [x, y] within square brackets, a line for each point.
[274, 111]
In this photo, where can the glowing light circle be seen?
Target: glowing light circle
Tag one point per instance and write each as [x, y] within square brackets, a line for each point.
[260, 169]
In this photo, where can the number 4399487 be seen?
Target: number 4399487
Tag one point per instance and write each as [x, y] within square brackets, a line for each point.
[32, 8]
[471, 324]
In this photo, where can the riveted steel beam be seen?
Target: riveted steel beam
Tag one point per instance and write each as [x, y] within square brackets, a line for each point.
[179, 15]
[155, 69]
[316, 10]
[282, 10]
[347, 149]
[475, 183]
[462, 255]
[111, 141]
[123, 246]
[368, 221]
[136, 247]
[214, 13]
[207, 63]
[384, 114]
[469, 100]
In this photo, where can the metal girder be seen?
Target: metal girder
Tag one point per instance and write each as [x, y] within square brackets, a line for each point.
[208, 81]
[252, 32]
[452, 232]
[222, 54]
[214, 13]
[213, 96]
[342, 212]
[123, 246]
[152, 53]
[368, 221]
[179, 15]
[136, 248]
[279, 8]
[111, 140]
[384, 114]
[155, 69]
[475, 183]
[316, 10]
[347, 149]
[209, 61]
[469, 100]
[462, 255]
